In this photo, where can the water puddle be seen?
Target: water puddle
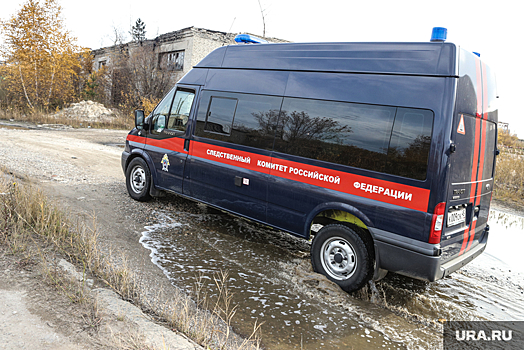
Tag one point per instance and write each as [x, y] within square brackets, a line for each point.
[272, 282]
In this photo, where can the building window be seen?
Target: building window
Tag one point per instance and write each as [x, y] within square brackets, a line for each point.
[101, 64]
[172, 60]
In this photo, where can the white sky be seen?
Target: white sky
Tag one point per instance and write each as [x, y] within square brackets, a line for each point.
[491, 28]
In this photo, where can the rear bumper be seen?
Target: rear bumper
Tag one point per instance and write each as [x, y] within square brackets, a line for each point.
[417, 259]
[455, 264]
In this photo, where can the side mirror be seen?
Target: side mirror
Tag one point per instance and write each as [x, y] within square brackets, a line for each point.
[139, 119]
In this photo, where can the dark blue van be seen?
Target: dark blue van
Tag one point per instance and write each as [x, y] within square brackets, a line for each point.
[382, 154]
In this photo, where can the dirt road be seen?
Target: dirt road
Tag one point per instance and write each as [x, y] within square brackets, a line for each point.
[80, 171]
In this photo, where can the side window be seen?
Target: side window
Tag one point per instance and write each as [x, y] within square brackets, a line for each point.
[160, 113]
[243, 119]
[408, 151]
[180, 110]
[220, 114]
[344, 133]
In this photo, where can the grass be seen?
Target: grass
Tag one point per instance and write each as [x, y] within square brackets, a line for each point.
[31, 226]
[509, 176]
[123, 121]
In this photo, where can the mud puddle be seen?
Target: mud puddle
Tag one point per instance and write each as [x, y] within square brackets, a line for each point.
[272, 282]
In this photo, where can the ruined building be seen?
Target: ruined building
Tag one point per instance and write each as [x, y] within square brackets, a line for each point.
[172, 55]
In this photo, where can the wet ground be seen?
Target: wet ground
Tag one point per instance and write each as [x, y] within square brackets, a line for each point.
[272, 282]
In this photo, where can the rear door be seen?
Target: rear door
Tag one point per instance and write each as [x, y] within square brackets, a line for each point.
[472, 164]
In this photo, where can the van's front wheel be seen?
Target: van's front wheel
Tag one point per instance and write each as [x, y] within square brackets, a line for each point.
[138, 180]
[340, 253]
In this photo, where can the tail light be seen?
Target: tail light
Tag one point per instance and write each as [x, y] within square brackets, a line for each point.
[437, 223]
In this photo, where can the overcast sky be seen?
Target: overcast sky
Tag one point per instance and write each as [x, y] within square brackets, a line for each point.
[491, 28]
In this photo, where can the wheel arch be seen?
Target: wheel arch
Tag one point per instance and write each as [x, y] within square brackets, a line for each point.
[144, 155]
[337, 212]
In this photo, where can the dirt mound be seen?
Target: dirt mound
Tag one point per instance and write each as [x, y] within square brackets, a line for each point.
[88, 111]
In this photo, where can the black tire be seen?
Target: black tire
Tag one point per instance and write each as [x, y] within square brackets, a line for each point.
[341, 254]
[138, 180]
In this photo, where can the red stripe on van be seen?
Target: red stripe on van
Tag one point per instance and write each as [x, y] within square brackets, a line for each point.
[384, 191]
[478, 192]
[134, 138]
[175, 144]
[474, 177]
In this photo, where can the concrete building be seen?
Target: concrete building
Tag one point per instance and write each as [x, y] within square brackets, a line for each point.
[503, 126]
[174, 53]
[177, 51]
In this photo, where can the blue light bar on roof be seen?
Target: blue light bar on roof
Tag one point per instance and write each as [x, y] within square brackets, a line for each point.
[439, 34]
[249, 39]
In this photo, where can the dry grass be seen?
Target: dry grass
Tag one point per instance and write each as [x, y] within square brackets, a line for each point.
[509, 176]
[26, 217]
[121, 121]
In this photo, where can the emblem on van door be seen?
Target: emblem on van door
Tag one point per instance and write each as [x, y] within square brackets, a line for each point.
[165, 163]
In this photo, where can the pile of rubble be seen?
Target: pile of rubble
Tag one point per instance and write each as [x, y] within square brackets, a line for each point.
[87, 111]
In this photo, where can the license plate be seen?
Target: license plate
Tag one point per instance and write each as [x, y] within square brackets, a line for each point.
[456, 217]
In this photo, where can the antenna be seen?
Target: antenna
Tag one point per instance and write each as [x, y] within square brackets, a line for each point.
[263, 19]
[229, 31]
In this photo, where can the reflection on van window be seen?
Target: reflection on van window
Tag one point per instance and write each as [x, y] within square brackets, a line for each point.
[161, 112]
[379, 138]
[408, 150]
[220, 115]
[344, 133]
[250, 121]
[180, 110]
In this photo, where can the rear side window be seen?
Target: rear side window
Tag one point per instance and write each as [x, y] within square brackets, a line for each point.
[337, 132]
[408, 150]
[379, 138]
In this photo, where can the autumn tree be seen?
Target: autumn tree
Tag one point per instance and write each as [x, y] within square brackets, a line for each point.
[505, 138]
[42, 58]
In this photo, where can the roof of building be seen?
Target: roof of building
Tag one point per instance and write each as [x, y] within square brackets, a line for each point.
[226, 38]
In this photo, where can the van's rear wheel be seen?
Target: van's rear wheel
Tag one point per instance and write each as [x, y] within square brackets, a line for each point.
[138, 180]
[341, 254]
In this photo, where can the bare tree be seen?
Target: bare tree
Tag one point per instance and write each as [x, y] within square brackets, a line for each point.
[147, 79]
[119, 36]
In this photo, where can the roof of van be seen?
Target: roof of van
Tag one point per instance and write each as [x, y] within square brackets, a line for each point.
[434, 59]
